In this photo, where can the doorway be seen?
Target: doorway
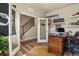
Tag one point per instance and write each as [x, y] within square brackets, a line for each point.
[42, 30]
[14, 45]
[27, 27]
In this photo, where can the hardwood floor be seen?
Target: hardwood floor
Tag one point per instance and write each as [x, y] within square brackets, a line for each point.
[32, 48]
[25, 47]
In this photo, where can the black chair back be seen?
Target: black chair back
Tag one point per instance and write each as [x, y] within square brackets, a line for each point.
[76, 35]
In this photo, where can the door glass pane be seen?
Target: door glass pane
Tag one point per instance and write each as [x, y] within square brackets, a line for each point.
[13, 33]
[42, 29]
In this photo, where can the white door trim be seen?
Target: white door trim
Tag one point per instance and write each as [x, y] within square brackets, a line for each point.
[13, 52]
[38, 30]
[29, 16]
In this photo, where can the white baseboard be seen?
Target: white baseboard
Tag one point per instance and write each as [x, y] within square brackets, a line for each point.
[42, 41]
[25, 39]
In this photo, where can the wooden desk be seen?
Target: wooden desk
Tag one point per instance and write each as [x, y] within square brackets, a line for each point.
[56, 45]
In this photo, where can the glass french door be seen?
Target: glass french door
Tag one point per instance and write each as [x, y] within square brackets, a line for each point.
[14, 41]
[42, 30]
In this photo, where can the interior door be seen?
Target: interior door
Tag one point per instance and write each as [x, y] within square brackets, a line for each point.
[14, 41]
[42, 30]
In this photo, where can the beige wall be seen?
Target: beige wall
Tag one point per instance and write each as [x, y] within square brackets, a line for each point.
[31, 34]
[66, 14]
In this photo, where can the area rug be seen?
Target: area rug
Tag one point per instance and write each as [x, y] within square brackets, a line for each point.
[41, 51]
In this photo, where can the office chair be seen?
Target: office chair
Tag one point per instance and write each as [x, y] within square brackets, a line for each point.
[69, 43]
[76, 43]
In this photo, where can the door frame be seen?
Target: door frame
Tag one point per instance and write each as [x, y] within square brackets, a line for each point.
[38, 30]
[29, 16]
[13, 52]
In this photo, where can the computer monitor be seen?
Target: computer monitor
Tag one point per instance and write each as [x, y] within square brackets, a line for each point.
[60, 30]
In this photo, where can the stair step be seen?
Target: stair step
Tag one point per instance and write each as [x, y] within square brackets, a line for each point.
[19, 53]
[32, 44]
[25, 50]
[28, 46]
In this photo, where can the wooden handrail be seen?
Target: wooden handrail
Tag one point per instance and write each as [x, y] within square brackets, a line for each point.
[26, 25]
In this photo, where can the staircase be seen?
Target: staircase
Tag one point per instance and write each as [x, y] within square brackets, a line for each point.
[28, 25]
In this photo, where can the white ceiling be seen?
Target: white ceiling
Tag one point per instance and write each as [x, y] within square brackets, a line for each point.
[45, 7]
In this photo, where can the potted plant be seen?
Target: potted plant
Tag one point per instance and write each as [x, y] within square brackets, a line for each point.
[3, 45]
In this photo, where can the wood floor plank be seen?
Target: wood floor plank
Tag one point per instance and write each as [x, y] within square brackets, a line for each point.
[32, 44]
[25, 50]
[28, 46]
[25, 45]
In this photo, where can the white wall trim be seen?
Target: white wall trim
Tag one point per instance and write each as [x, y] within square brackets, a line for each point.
[28, 15]
[13, 52]
[34, 25]
[38, 30]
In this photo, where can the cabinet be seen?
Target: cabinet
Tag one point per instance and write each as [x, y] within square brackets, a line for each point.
[56, 45]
